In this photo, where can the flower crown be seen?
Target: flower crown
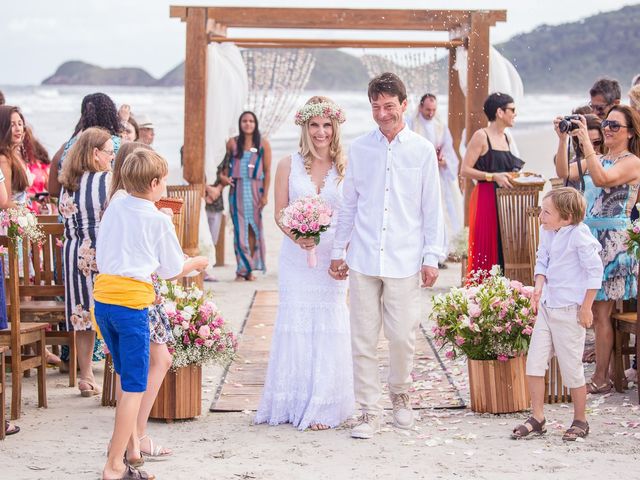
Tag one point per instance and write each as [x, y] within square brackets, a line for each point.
[324, 109]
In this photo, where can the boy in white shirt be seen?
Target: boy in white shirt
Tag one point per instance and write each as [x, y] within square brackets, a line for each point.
[570, 270]
[135, 240]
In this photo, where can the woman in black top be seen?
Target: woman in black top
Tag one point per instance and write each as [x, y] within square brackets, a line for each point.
[489, 161]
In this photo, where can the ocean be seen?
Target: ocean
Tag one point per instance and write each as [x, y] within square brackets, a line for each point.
[53, 111]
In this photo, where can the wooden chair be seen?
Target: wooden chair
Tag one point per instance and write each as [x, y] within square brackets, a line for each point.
[38, 302]
[19, 335]
[512, 208]
[533, 236]
[624, 324]
[2, 389]
[192, 197]
[48, 218]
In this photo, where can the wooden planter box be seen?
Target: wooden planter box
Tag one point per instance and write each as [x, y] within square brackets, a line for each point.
[180, 395]
[498, 387]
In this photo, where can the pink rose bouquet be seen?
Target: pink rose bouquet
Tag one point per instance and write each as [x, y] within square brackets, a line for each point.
[200, 332]
[307, 217]
[489, 319]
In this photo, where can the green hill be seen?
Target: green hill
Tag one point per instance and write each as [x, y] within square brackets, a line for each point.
[569, 57]
[80, 73]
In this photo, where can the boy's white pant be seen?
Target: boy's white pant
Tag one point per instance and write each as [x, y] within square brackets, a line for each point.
[393, 303]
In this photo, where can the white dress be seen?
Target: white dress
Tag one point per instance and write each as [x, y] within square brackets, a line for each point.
[310, 374]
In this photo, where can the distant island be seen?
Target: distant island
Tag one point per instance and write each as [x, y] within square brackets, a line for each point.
[555, 59]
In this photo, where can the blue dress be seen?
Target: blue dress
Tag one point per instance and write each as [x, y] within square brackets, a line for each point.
[608, 216]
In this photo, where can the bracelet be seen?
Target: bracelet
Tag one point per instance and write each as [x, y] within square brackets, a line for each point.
[589, 154]
[488, 177]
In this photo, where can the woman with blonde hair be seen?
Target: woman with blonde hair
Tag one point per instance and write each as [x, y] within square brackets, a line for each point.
[309, 379]
[85, 180]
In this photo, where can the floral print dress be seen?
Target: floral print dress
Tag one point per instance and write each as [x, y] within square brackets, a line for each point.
[81, 211]
[608, 216]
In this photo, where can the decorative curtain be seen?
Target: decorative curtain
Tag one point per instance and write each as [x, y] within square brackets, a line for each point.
[276, 79]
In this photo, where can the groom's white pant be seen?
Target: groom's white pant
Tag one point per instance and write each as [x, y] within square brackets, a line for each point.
[395, 304]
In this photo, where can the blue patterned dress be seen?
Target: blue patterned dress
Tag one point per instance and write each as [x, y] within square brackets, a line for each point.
[608, 216]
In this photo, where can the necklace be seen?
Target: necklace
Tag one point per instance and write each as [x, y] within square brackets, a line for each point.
[620, 155]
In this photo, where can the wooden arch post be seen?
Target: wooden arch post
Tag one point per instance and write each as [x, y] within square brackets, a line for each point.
[209, 24]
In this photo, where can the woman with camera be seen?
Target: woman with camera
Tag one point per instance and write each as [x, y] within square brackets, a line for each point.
[611, 183]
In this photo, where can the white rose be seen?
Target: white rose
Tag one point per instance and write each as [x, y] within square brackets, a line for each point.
[189, 309]
[177, 331]
[31, 219]
[186, 315]
[22, 221]
[164, 289]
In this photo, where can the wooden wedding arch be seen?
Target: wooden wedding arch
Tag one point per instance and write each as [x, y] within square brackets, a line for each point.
[468, 28]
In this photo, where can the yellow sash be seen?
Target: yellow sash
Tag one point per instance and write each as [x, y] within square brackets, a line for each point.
[123, 291]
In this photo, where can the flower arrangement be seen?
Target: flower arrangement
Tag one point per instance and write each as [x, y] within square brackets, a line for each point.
[199, 330]
[20, 223]
[489, 319]
[633, 242]
[323, 109]
[307, 217]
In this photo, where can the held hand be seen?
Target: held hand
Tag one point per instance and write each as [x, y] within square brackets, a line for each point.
[503, 179]
[585, 317]
[429, 276]
[305, 243]
[535, 300]
[263, 201]
[200, 263]
[561, 135]
[581, 132]
[338, 270]
[224, 180]
[213, 193]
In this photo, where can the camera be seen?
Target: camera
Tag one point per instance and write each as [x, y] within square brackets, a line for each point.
[566, 125]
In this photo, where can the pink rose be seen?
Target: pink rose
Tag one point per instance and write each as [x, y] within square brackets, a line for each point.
[315, 226]
[516, 285]
[199, 342]
[204, 331]
[527, 330]
[474, 310]
[527, 291]
[303, 228]
[324, 219]
[185, 325]
[459, 340]
[502, 358]
[450, 354]
[208, 343]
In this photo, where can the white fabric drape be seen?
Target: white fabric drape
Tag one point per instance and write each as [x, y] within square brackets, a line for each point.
[503, 76]
[227, 90]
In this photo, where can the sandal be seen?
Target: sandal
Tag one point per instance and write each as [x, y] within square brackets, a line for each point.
[92, 391]
[155, 451]
[594, 388]
[318, 427]
[578, 429]
[531, 426]
[10, 429]
[131, 473]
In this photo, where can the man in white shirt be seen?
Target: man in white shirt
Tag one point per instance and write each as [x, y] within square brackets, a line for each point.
[391, 219]
[425, 122]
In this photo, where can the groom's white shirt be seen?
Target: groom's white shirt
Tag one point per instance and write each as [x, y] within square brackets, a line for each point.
[391, 215]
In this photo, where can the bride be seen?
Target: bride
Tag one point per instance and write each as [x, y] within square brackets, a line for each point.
[310, 377]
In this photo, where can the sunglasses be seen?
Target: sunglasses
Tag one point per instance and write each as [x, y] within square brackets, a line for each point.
[598, 107]
[513, 109]
[613, 125]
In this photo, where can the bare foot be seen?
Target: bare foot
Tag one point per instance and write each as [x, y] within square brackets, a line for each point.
[250, 278]
[316, 427]
[240, 278]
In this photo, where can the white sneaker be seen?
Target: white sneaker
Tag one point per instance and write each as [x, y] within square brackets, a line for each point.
[402, 412]
[368, 425]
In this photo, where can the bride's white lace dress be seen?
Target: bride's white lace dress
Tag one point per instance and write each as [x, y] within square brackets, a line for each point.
[310, 374]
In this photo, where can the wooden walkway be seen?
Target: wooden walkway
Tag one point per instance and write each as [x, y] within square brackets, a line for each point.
[242, 385]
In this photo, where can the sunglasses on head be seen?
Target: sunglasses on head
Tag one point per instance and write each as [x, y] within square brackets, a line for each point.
[613, 125]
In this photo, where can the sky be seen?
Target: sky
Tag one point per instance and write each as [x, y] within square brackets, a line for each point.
[36, 36]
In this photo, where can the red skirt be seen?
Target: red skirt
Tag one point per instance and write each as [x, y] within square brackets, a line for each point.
[484, 234]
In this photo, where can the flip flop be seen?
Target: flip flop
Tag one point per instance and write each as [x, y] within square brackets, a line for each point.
[10, 429]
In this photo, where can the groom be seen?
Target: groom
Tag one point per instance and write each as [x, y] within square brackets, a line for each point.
[391, 218]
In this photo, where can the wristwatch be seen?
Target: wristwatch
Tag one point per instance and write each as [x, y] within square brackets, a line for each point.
[488, 177]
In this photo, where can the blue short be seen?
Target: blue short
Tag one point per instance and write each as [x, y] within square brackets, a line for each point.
[126, 333]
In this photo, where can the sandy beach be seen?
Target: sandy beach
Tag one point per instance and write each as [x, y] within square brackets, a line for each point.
[68, 439]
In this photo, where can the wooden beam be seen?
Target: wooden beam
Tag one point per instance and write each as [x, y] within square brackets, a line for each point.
[342, 18]
[456, 111]
[195, 95]
[178, 11]
[477, 86]
[333, 43]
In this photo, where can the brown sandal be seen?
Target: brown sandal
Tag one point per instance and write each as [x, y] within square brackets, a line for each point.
[578, 429]
[594, 388]
[523, 430]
